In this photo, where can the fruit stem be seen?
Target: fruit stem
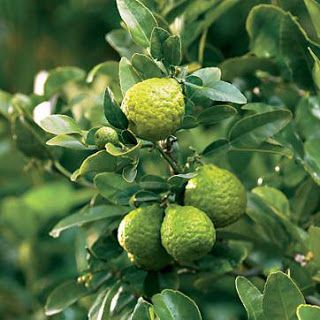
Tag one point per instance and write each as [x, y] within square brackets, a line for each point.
[167, 156]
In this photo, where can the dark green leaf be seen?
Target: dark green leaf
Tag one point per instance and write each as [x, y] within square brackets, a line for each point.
[216, 114]
[312, 159]
[251, 131]
[173, 305]
[172, 50]
[251, 298]
[158, 37]
[146, 67]
[112, 111]
[281, 297]
[87, 215]
[128, 76]
[139, 20]
[64, 296]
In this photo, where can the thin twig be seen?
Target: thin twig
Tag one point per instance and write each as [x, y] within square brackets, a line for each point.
[174, 166]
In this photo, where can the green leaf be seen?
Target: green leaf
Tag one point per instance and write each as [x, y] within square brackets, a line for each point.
[59, 77]
[314, 11]
[139, 20]
[5, 100]
[100, 161]
[146, 67]
[130, 152]
[275, 199]
[121, 41]
[316, 69]
[87, 215]
[128, 76]
[67, 141]
[64, 296]
[172, 50]
[281, 297]
[141, 311]
[112, 185]
[314, 234]
[216, 114]
[213, 88]
[275, 33]
[113, 112]
[246, 66]
[312, 158]
[251, 298]
[174, 305]
[158, 37]
[251, 131]
[60, 124]
[153, 183]
[307, 312]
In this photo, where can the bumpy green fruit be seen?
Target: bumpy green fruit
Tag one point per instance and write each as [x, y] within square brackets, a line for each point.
[139, 235]
[219, 193]
[105, 135]
[154, 108]
[187, 233]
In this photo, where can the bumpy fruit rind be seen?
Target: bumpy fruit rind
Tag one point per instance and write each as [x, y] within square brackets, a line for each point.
[139, 235]
[187, 233]
[217, 192]
[105, 135]
[154, 107]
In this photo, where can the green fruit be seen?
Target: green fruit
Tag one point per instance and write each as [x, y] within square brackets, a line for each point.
[154, 108]
[219, 193]
[139, 235]
[105, 135]
[187, 233]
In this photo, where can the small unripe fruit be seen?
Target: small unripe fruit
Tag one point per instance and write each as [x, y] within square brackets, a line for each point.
[105, 135]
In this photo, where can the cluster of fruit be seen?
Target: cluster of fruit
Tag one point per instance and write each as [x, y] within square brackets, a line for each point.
[153, 236]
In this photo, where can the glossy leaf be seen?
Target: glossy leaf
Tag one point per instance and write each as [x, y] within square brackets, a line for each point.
[253, 130]
[174, 305]
[312, 158]
[87, 215]
[251, 298]
[112, 111]
[67, 141]
[281, 297]
[158, 37]
[60, 124]
[316, 69]
[100, 161]
[141, 311]
[314, 11]
[146, 66]
[216, 114]
[172, 50]
[64, 296]
[308, 312]
[128, 76]
[139, 20]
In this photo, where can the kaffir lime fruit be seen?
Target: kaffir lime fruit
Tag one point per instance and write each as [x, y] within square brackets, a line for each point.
[105, 135]
[187, 233]
[219, 193]
[139, 235]
[154, 108]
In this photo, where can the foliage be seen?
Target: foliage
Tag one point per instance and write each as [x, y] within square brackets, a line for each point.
[250, 75]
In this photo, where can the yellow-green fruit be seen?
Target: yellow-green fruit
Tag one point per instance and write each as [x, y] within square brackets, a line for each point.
[139, 235]
[154, 108]
[187, 233]
[105, 135]
[219, 193]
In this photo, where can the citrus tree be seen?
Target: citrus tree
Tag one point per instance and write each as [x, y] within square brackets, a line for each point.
[198, 158]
